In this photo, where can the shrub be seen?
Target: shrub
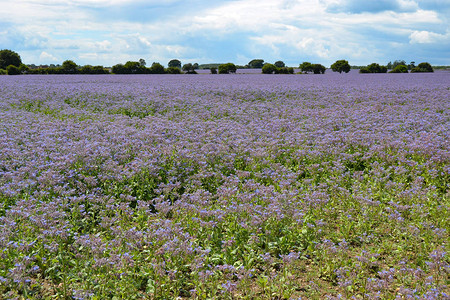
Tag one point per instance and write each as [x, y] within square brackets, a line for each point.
[400, 69]
[3, 72]
[213, 71]
[12, 70]
[157, 68]
[318, 69]
[422, 67]
[227, 68]
[8, 57]
[173, 70]
[285, 70]
[269, 69]
[279, 64]
[306, 67]
[341, 66]
[373, 68]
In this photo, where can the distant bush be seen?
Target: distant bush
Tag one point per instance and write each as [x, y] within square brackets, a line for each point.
[9, 57]
[341, 66]
[269, 69]
[174, 63]
[12, 70]
[400, 69]
[279, 64]
[306, 67]
[88, 69]
[422, 67]
[227, 68]
[157, 68]
[256, 63]
[3, 72]
[173, 70]
[373, 68]
[309, 67]
[189, 68]
[213, 70]
[318, 69]
[285, 70]
[273, 69]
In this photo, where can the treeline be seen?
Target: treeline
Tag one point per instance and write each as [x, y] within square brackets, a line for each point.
[398, 66]
[11, 64]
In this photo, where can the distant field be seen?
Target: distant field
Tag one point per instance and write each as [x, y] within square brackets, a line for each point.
[243, 186]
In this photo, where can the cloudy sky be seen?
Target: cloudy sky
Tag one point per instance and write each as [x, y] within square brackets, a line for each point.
[205, 31]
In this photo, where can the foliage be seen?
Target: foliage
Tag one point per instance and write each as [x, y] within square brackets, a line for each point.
[189, 68]
[213, 70]
[173, 70]
[157, 68]
[285, 70]
[256, 64]
[373, 68]
[3, 72]
[69, 67]
[422, 67]
[309, 67]
[396, 63]
[306, 67]
[174, 63]
[400, 69]
[318, 69]
[279, 64]
[227, 68]
[13, 70]
[341, 66]
[269, 69]
[88, 69]
[9, 57]
[130, 67]
[272, 69]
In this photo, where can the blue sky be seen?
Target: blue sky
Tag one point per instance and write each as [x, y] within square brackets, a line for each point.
[205, 31]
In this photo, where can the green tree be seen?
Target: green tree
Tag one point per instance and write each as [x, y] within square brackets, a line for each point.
[142, 62]
[24, 69]
[213, 70]
[227, 68]
[341, 66]
[256, 63]
[318, 69]
[8, 57]
[12, 70]
[279, 64]
[285, 70]
[157, 68]
[69, 67]
[133, 67]
[399, 69]
[373, 68]
[422, 67]
[306, 67]
[118, 69]
[269, 69]
[174, 63]
[173, 70]
[189, 68]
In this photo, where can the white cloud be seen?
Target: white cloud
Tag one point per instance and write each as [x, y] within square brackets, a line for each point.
[47, 57]
[427, 37]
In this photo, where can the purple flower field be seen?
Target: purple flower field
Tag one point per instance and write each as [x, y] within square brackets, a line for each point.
[243, 186]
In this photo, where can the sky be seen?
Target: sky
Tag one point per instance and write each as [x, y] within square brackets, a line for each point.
[101, 32]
